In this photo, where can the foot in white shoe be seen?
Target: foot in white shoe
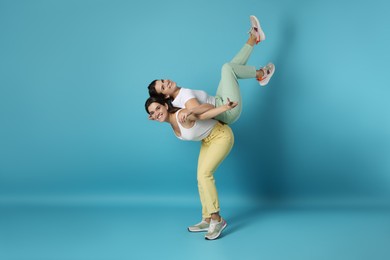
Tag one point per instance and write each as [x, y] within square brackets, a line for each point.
[268, 71]
[256, 30]
[215, 229]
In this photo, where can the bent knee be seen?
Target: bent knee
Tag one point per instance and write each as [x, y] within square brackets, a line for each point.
[205, 176]
[226, 68]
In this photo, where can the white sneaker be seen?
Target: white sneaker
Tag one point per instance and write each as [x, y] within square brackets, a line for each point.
[269, 71]
[256, 29]
[201, 226]
[215, 229]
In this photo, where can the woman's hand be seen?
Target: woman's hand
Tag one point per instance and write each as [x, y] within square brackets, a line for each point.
[183, 115]
[230, 104]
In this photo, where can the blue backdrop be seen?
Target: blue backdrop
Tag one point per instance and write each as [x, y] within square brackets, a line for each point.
[73, 78]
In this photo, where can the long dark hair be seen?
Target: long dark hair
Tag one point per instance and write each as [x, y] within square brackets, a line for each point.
[162, 101]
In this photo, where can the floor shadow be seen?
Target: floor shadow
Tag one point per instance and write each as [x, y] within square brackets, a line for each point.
[260, 143]
[243, 219]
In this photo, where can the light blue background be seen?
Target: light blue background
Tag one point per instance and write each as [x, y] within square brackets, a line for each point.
[74, 133]
[73, 85]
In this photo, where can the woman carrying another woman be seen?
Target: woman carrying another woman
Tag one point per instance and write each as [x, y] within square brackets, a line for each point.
[216, 142]
[228, 86]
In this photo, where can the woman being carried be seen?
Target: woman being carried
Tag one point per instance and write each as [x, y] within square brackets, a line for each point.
[228, 86]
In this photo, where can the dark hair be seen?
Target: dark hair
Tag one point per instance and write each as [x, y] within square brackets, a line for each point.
[153, 92]
[162, 101]
[152, 89]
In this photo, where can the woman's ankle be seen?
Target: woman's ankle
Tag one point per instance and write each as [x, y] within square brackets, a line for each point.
[259, 73]
[252, 40]
[216, 217]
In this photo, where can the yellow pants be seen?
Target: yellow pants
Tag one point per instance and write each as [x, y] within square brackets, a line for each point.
[213, 151]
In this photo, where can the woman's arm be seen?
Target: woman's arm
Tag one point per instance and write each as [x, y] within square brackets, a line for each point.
[192, 106]
[211, 113]
[193, 103]
[201, 109]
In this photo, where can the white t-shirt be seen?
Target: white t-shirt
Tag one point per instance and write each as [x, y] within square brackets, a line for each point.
[200, 130]
[186, 94]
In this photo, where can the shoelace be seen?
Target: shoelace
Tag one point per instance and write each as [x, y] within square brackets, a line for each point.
[253, 29]
[212, 227]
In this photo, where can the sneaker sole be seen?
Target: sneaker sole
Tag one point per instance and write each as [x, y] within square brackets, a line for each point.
[259, 30]
[199, 230]
[217, 236]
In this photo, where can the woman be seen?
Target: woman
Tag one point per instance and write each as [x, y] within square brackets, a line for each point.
[217, 140]
[228, 86]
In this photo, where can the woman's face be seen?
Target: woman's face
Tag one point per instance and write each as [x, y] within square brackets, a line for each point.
[166, 87]
[158, 112]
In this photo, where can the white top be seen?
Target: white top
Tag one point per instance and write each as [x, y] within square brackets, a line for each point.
[186, 94]
[200, 130]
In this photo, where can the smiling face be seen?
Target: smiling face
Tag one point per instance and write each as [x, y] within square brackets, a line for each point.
[158, 112]
[166, 87]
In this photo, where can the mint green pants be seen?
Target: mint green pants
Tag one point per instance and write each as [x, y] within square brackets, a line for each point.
[228, 86]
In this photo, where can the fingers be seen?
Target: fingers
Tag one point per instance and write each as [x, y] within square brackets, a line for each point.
[233, 105]
[230, 103]
[183, 117]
